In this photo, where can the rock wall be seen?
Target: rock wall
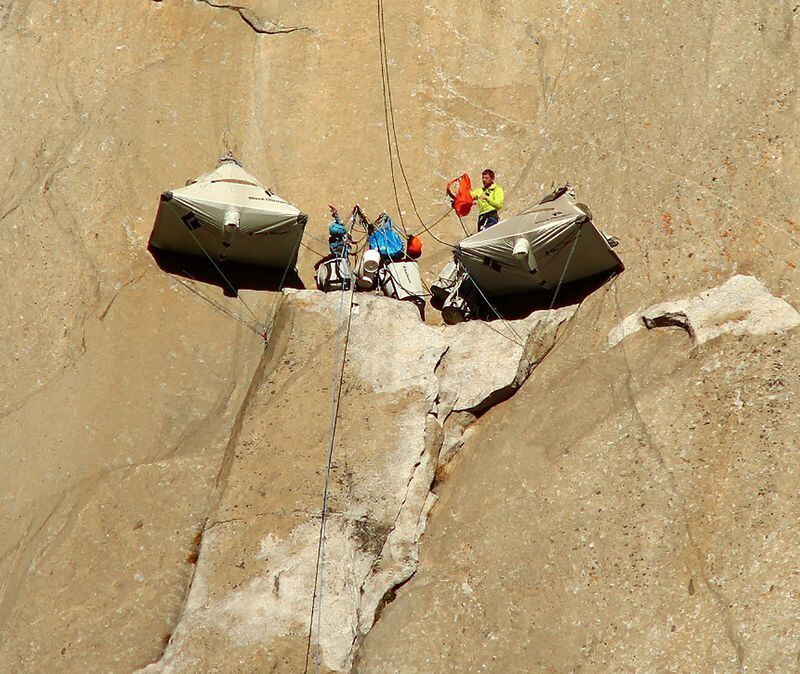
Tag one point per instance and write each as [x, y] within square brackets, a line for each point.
[629, 508]
[632, 506]
[262, 561]
[120, 382]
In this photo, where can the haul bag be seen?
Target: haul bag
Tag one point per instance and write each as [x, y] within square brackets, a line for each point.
[334, 274]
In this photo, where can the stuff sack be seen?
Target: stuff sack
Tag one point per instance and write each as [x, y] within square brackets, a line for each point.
[386, 241]
[337, 237]
[414, 247]
[462, 198]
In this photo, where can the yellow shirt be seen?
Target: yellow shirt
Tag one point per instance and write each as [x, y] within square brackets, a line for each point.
[493, 198]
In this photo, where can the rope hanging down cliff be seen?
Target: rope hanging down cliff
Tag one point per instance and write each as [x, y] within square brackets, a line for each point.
[388, 114]
[262, 329]
[392, 142]
[340, 358]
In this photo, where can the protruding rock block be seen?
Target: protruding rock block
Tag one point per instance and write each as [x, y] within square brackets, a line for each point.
[741, 305]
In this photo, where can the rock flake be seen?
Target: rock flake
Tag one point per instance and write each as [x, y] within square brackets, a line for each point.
[741, 305]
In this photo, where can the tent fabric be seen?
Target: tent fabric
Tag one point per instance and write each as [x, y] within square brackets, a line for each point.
[261, 228]
[551, 230]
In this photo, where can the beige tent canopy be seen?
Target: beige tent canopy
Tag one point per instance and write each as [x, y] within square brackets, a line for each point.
[531, 250]
[231, 216]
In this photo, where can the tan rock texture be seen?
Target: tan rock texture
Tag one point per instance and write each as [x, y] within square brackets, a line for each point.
[252, 594]
[633, 506]
[741, 305]
[636, 517]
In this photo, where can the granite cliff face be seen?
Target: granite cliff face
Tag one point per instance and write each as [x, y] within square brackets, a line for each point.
[633, 504]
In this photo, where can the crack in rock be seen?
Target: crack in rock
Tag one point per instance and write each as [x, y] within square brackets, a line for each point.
[409, 385]
[257, 23]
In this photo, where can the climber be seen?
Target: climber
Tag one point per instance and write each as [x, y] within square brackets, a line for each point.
[490, 200]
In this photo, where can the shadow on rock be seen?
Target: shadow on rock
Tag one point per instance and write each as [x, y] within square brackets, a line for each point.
[240, 276]
[522, 305]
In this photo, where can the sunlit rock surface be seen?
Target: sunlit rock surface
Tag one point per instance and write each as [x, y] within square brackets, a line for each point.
[251, 598]
[627, 508]
[741, 305]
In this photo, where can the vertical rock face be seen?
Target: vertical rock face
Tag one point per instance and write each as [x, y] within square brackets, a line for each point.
[627, 509]
[119, 384]
[742, 305]
[632, 506]
[252, 595]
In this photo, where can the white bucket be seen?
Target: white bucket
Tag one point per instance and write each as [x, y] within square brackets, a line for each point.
[232, 217]
[522, 247]
[371, 262]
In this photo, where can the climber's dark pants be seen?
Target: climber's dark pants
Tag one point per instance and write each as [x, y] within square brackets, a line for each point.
[487, 219]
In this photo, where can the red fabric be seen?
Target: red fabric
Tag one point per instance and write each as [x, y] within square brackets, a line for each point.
[462, 200]
[414, 247]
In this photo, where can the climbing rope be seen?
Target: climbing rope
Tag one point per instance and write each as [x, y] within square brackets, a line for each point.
[506, 323]
[387, 115]
[316, 238]
[340, 359]
[313, 250]
[225, 278]
[566, 265]
[279, 293]
[219, 307]
[263, 329]
[391, 126]
[463, 226]
[392, 142]
[428, 228]
[560, 282]
[518, 341]
[608, 285]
